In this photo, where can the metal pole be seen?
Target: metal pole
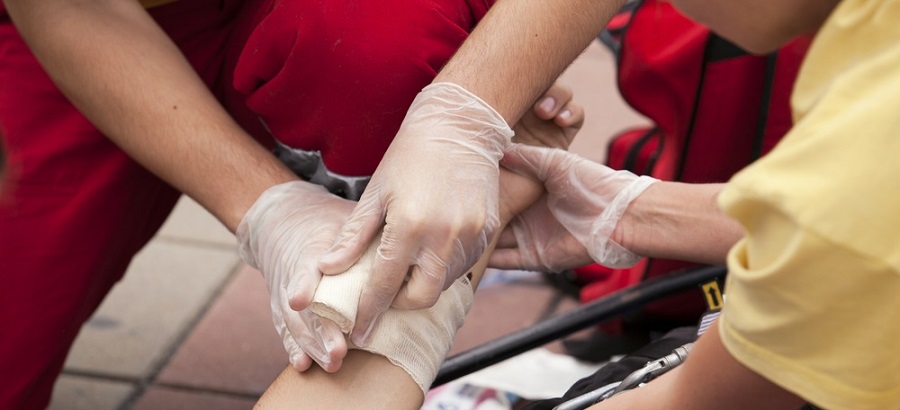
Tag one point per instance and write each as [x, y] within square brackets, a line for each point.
[590, 314]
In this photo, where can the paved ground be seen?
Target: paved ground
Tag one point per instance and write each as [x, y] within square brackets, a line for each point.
[189, 326]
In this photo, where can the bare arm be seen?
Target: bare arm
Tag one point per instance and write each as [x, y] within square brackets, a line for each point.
[521, 47]
[709, 379]
[678, 221]
[128, 78]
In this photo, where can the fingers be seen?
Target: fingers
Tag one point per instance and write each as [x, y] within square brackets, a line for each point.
[571, 119]
[509, 258]
[553, 102]
[299, 361]
[318, 339]
[526, 160]
[303, 286]
[507, 239]
[356, 235]
[426, 281]
[410, 273]
[392, 260]
[329, 337]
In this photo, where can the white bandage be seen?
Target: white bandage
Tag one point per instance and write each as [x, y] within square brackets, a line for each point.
[415, 340]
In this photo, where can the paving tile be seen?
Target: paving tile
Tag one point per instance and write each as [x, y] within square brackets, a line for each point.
[234, 347]
[157, 398]
[593, 80]
[86, 393]
[190, 222]
[163, 292]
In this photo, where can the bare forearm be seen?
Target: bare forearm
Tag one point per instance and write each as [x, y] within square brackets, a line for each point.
[521, 47]
[128, 78]
[678, 221]
[711, 379]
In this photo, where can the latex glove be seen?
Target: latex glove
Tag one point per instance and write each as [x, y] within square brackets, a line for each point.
[283, 235]
[436, 194]
[585, 197]
[535, 240]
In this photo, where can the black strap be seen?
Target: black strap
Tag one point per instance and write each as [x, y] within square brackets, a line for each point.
[764, 104]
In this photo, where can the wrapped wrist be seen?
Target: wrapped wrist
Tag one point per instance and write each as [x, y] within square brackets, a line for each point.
[415, 340]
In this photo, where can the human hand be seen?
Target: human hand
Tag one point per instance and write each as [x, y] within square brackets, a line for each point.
[283, 235]
[535, 240]
[552, 122]
[435, 191]
[583, 204]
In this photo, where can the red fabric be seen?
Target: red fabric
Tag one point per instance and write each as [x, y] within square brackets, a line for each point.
[339, 79]
[659, 69]
[327, 75]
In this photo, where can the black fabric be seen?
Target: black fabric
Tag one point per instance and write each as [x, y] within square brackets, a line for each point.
[618, 370]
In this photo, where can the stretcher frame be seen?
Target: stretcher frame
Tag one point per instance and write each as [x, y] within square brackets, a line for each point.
[587, 315]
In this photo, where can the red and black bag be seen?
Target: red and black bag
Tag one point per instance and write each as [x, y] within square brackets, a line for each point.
[714, 107]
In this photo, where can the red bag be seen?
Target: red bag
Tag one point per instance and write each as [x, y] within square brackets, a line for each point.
[715, 109]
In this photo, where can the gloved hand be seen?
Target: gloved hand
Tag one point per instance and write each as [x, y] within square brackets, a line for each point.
[285, 232]
[435, 191]
[585, 200]
[535, 240]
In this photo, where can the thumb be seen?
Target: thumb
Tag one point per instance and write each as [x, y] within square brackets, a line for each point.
[539, 163]
[357, 233]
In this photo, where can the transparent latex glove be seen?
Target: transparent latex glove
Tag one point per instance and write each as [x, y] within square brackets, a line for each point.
[535, 240]
[283, 235]
[436, 194]
[585, 197]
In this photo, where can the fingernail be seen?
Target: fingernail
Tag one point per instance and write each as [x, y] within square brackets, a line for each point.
[547, 104]
[566, 114]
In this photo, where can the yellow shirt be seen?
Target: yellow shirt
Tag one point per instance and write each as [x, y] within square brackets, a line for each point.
[814, 287]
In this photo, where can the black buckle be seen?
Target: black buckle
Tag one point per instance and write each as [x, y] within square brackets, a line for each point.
[309, 166]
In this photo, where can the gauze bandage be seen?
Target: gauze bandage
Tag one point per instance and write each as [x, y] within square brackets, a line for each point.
[415, 340]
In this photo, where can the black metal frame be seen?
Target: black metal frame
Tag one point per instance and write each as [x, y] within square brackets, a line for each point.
[589, 314]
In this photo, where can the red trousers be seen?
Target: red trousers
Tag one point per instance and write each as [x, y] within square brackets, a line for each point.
[334, 76]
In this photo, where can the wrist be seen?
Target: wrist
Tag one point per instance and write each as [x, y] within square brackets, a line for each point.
[681, 221]
[469, 108]
[603, 248]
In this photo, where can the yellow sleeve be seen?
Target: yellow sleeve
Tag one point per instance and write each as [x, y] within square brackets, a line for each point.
[813, 294]
[810, 315]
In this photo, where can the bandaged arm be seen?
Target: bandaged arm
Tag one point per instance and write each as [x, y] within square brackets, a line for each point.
[371, 380]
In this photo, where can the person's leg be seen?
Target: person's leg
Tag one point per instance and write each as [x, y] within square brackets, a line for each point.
[337, 76]
[74, 211]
